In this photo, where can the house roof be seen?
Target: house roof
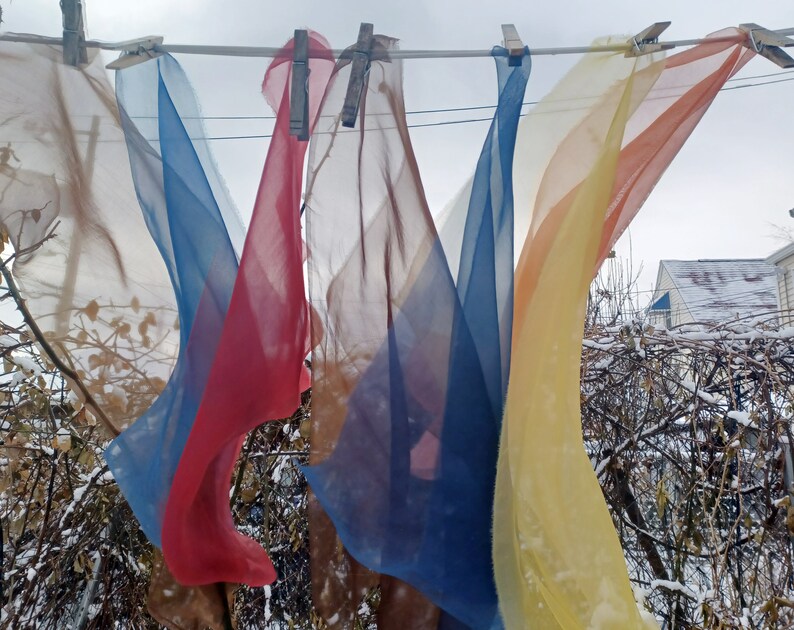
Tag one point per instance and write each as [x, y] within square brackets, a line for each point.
[718, 290]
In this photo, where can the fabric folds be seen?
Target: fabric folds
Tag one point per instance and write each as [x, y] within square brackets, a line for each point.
[85, 262]
[184, 214]
[258, 372]
[410, 368]
[557, 559]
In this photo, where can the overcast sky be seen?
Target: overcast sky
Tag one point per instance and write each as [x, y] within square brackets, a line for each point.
[726, 195]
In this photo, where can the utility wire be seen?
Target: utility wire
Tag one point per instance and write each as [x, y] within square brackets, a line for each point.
[739, 87]
[443, 123]
[481, 107]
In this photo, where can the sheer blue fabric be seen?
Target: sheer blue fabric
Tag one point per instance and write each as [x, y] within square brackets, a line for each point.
[409, 484]
[187, 211]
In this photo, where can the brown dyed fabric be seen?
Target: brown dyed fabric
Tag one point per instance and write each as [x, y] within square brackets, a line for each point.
[338, 267]
[340, 584]
[180, 607]
[86, 264]
[402, 606]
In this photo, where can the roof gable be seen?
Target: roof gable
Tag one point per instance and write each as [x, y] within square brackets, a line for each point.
[781, 254]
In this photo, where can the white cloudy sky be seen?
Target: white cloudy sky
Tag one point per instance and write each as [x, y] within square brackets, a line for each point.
[724, 195]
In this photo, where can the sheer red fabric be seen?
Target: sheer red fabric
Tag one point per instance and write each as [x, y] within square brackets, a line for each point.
[258, 372]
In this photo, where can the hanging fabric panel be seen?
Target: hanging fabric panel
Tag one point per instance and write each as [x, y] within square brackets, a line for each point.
[550, 519]
[410, 374]
[549, 511]
[179, 607]
[85, 262]
[165, 138]
[338, 580]
[665, 119]
[259, 371]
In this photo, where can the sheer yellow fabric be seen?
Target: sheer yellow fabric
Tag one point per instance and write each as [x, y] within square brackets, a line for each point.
[557, 559]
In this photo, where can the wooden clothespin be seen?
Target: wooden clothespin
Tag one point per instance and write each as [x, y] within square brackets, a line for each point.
[74, 52]
[358, 71]
[299, 88]
[769, 44]
[136, 51]
[513, 44]
[647, 41]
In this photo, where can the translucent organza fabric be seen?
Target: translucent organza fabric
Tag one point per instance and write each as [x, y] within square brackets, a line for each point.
[180, 607]
[170, 163]
[410, 372]
[86, 265]
[258, 371]
[557, 559]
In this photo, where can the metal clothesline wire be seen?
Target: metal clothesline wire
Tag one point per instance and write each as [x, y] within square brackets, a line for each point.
[272, 51]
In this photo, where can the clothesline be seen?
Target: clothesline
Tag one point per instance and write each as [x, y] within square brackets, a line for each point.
[271, 51]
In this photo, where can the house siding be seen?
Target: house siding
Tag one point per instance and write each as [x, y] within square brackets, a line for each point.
[679, 313]
[785, 283]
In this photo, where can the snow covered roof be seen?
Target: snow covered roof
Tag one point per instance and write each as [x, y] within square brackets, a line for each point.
[717, 290]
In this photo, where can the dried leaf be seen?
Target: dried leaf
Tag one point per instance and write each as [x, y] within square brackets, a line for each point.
[661, 498]
[91, 310]
[86, 458]
[62, 442]
[248, 495]
[95, 361]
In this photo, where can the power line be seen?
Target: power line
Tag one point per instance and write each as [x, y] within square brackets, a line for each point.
[739, 87]
[467, 120]
[480, 107]
[441, 123]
